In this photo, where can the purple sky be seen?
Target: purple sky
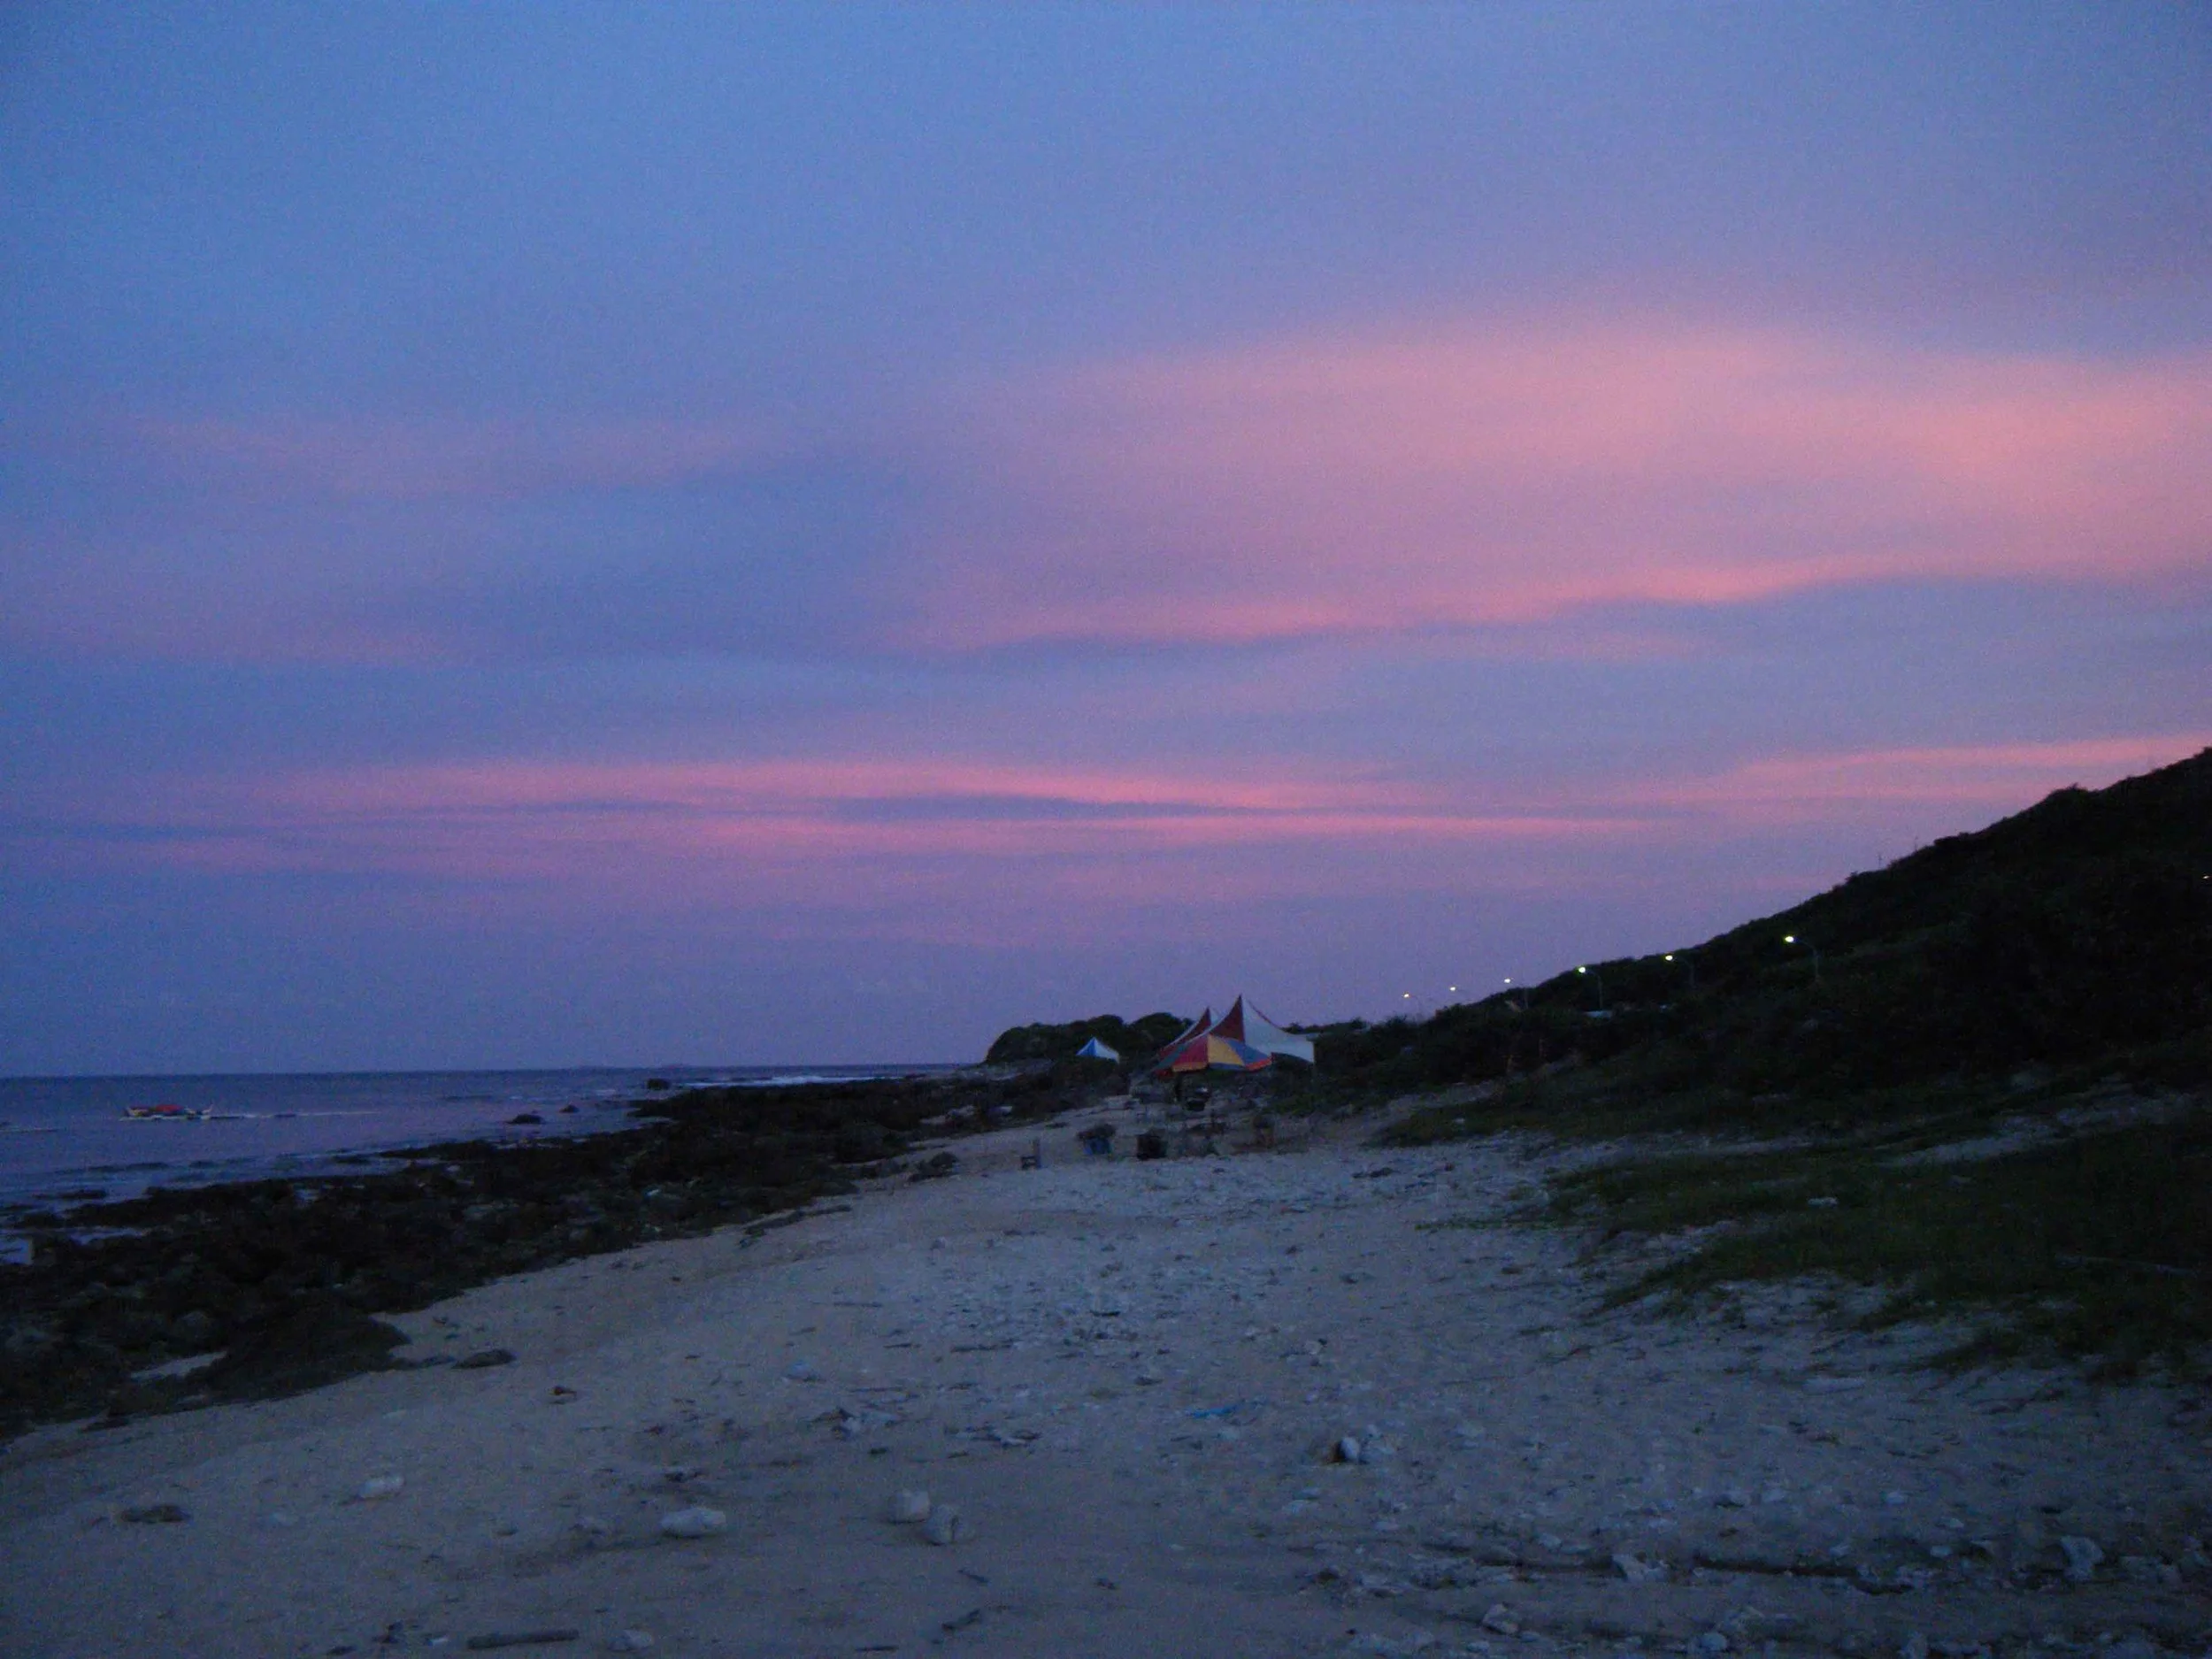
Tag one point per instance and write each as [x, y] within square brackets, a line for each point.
[536, 535]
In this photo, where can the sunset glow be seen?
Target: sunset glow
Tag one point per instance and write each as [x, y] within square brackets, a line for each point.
[832, 519]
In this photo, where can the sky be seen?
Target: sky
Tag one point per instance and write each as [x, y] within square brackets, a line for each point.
[541, 535]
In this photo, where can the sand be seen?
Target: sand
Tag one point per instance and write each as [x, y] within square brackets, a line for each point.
[1131, 1378]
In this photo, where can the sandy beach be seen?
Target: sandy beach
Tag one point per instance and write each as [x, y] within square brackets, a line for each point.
[1314, 1400]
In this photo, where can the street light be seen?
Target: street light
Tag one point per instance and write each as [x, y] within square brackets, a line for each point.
[1690, 965]
[1509, 992]
[1792, 939]
[1600, 977]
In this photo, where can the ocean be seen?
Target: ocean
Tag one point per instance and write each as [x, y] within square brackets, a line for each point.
[69, 1139]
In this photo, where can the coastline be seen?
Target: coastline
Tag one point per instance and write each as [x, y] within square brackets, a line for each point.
[286, 1278]
[1134, 1381]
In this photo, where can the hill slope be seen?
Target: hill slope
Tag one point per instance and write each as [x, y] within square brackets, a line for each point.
[1973, 1086]
[2076, 933]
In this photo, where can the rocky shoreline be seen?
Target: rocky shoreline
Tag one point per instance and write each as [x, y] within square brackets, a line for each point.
[189, 1296]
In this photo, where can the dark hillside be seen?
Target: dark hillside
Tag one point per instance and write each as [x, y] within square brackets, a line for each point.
[2077, 933]
[1976, 1081]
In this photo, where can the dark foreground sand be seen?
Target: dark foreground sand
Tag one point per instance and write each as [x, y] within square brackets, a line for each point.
[1127, 1378]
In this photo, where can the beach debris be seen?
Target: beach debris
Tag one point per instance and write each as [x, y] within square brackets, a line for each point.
[698, 1521]
[2082, 1556]
[943, 1525]
[376, 1488]
[485, 1358]
[629, 1641]
[154, 1513]
[1636, 1569]
[967, 1620]
[491, 1639]
[910, 1507]
[848, 1424]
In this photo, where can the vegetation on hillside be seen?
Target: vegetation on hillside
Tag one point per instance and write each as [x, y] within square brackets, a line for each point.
[1136, 1040]
[2042, 988]
[2077, 933]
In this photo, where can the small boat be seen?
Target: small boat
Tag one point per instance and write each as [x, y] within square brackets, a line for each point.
[168, 1112]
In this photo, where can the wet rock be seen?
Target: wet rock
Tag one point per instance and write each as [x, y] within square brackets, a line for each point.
[1499, 1617]
[1347, 1450]
[484, 1359]
[2082, 1556]
[1638, 1571]
[315, 1341]
[698, 1521]
[376, 1488]
[629, 1641]
[943, 1525]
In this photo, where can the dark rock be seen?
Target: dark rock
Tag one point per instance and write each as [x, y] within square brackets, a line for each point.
[155, 1514]
[316, 1341]
[485, 1358]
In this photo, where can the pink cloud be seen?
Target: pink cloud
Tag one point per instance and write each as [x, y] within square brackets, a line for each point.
[763, 825]
[769, 822]
[1493, 473]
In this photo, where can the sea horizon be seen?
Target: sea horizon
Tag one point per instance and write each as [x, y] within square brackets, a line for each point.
[69, 1139]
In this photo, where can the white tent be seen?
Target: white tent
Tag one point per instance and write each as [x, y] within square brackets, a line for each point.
[1249, 1026]
[1096, 1050]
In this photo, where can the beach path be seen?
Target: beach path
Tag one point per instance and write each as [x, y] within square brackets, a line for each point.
[1328, 1400]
